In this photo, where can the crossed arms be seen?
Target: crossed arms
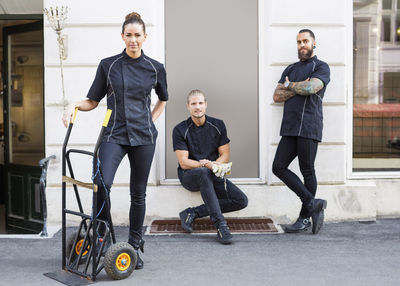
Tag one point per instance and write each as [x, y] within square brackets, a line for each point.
[307, 87]
[187, 164]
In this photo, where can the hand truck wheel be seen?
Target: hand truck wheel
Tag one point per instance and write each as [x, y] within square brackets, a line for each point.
[76, 247]
[120, 260]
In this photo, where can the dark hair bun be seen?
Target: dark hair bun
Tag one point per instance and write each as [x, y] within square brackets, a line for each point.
[133, 15]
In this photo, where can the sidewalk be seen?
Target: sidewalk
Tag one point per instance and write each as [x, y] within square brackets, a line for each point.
[349, 253]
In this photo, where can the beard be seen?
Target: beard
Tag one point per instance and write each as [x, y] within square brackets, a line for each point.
[305, 56]
[198, 115]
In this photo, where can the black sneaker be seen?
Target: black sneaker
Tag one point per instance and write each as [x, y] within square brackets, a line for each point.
[316, 207]
[224, 236]
[139, 263]
[301, 224]
[138, 246]
[320, 221]
[187, 218]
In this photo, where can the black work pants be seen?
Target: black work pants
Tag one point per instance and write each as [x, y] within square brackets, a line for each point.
[218, 197]
[305, 150]
[140, 158]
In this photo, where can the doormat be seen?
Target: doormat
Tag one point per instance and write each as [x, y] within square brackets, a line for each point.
[236, 225]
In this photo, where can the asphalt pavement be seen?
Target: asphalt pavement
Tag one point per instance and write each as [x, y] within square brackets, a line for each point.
[347, 253]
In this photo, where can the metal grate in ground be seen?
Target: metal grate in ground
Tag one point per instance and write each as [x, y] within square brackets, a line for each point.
[236, 225]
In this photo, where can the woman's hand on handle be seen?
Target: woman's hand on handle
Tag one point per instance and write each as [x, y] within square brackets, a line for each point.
[69, 111]
[84, 105]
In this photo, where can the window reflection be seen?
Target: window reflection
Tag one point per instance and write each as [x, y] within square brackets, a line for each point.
[26, 140]
[386, 29]
[386, 4]
[376, 95]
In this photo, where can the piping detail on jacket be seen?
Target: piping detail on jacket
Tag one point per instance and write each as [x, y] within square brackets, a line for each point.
[320, 98]
[155, 83]
[302, 115]
[115, 100]
[148, 117]
[214, 127]
[187, 130]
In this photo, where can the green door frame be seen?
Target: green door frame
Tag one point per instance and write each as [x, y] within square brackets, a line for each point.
[21, 177]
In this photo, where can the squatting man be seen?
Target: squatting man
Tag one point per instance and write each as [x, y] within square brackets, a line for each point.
[202, 147]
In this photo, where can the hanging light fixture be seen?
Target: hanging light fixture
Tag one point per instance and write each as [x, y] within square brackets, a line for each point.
[57, 19]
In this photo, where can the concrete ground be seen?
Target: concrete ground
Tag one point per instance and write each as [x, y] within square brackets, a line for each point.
[348, 253]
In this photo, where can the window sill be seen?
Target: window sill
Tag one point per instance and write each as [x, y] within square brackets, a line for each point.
[375, 175]
[236, 181]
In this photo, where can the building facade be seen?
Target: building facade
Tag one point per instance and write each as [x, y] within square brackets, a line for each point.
[235, 51]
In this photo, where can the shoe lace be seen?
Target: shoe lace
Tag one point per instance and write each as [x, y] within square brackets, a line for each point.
[189, 218]
[223, 230]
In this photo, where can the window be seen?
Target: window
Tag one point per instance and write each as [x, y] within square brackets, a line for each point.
[397, 34]
[390, 21]
[391, 84]
[376, 96]
[385, 37]
[386, 4]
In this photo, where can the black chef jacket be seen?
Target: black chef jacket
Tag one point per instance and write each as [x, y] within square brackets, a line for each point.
[302, 115]
[201, 142]
[128, 83]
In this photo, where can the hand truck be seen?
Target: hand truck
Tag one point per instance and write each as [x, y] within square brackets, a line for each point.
[84, 253]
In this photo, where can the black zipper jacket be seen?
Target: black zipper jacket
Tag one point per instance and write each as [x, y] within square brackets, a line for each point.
[128, 82]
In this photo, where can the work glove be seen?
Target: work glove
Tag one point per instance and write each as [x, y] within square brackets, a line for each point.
[221, 170]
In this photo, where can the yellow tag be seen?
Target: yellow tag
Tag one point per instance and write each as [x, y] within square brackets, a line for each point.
[107, 118]
[75, 113]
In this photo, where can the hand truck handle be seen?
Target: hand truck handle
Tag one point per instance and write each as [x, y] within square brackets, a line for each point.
[70, 125]
[103, 128]
[73, 117]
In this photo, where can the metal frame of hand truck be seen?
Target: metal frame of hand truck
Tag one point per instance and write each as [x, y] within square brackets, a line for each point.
[91, 223]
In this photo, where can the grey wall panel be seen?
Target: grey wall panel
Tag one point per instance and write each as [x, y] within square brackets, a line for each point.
[212, 45]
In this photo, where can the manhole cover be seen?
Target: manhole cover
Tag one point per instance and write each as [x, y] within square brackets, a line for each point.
[206, 226]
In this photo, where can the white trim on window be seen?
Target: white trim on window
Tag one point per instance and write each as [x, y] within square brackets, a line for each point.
[262, 124]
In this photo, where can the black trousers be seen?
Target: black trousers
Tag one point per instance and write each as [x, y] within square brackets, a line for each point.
[218, 198]
[305, 150]
[140, 158]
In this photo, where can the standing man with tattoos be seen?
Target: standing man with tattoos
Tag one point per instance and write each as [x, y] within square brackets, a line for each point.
[301, 88]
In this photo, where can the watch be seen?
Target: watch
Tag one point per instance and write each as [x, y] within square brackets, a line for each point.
[286, 84]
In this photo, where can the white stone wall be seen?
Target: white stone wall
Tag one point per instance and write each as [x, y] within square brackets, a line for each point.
[331, 22]
[94, 32]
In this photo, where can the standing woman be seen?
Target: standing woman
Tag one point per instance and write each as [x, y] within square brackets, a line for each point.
[127, 79]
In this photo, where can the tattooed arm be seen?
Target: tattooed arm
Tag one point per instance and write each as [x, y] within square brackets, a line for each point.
[307, 87]
[282, 94]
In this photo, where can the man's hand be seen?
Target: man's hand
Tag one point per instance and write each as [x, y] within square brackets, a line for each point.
[206, 163]
[281, 93]
[287, 82]
[306, 87]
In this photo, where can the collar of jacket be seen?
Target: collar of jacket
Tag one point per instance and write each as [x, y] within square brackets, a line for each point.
[128, 58]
